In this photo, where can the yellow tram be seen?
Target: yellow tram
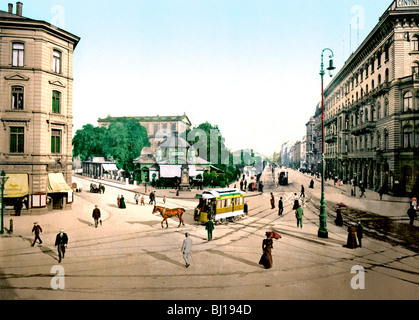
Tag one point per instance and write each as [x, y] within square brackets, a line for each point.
[219, 205]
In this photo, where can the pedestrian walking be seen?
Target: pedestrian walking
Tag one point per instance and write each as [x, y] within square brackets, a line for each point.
[339, 219]
[209, 226]
[272, 201]
[37, 230]
[299, 216]
[61, 242]
[118, 200]
[122, 203]
[302, 192]
[136, 197]
[241, 185]
[381, 192]
[362, 189]
[186, 248]
[266, 258]
[103, 189]
[164, 199]
[96, 215]
[311, 184]
[296, 202]
[412, 214]
[359, 233]
[351, 241]
[150, 196]
[142, 201]
[280, 207]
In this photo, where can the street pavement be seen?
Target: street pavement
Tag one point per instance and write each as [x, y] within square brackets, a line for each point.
[131, 257]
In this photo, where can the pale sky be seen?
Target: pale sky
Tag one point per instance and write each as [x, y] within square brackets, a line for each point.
[249, 66]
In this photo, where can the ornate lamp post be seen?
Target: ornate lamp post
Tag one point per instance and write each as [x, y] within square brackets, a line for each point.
[3, 180]
[322, 233]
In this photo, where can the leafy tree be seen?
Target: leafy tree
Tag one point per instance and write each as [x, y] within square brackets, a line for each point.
[89, 142]
[123, 141]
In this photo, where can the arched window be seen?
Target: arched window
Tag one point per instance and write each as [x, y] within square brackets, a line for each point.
[407, 137]
[407, 101]
[387, 75]
[415, 68]
[378, 110]
[386, 108]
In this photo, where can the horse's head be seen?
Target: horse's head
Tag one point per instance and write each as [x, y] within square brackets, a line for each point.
[154, 210]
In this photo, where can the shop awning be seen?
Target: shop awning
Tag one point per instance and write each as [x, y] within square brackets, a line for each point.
[110, 167]
[57, 183]
[16, 186]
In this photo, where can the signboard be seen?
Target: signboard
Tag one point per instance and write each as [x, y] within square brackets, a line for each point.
[407, 3]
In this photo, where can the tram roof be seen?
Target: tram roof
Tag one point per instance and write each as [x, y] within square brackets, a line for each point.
[210, 194]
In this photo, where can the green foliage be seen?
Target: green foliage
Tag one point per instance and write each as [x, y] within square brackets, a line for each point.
[123, 141]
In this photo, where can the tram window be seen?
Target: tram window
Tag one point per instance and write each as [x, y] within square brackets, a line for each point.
[227, 202]
[219, 204]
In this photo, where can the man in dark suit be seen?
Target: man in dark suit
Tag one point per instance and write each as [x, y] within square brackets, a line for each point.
[61, 242]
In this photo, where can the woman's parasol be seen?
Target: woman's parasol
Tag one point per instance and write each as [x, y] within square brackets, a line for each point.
[273, 235]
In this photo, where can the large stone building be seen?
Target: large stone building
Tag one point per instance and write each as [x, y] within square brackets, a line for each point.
[372, 106]
[36, 83]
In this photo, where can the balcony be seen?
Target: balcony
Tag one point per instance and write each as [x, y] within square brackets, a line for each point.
[330, 137]
[363, 128]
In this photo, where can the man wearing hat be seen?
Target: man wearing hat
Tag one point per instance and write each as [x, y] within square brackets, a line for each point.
[61, 242]
[186, 248]
[38, 230]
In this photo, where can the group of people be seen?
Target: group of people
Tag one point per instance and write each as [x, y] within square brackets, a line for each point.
[61, 240]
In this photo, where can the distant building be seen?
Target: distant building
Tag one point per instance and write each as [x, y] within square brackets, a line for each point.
[158, 127]
[36, 89]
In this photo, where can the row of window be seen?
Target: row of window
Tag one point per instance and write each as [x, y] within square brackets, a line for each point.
[18, 57]
[18, 98]
[371, 141]
[17, 140]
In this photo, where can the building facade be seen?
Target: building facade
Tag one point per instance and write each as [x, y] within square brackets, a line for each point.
[36, 83]
[372, 107]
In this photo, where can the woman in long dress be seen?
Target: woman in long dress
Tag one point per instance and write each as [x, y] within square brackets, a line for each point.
[266, 259]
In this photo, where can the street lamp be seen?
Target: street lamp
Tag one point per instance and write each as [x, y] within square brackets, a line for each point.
[3, 180]
[322, 233]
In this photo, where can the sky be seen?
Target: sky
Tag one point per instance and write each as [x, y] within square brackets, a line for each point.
[249, 66]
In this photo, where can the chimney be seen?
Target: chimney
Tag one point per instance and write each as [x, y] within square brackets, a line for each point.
[19, 8]
[10, 7]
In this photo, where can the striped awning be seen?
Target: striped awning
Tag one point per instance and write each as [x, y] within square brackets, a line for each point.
[16, 186]
[57, 183]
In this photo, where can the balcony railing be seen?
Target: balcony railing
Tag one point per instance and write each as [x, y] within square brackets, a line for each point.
[366, 127]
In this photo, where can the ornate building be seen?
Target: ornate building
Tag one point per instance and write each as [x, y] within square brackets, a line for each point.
[372, 106]
[36, 83]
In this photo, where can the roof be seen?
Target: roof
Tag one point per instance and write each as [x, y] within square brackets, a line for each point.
[14, 21]
[174, 141]
[217, 193]
[157, 118]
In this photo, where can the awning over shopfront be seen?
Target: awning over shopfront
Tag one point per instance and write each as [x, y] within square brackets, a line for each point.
[16, 186]
[110, 167]
[57, 183]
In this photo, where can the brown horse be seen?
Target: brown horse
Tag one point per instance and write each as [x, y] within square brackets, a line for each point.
[169, 213]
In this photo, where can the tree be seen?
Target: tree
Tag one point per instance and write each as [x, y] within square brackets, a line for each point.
[124, 142]
[89, 142]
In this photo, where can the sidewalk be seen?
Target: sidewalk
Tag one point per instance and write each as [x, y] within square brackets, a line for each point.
[390, 206]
